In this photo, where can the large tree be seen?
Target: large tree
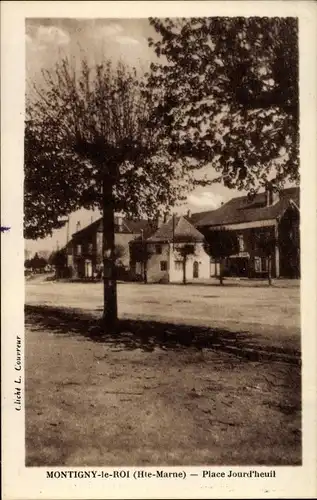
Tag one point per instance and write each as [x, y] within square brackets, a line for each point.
[220, 244]
[91, 141]
[228, 92]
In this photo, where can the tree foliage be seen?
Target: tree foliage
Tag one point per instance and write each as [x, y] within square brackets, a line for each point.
[58, 258]
[53, 177]
[119, 254]
[220, 244]
[28, 263]
[227, 90]
[37, 263]
[84, 125]
[141, 251]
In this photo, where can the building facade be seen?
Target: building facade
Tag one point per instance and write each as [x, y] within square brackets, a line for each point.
[85, 248]
[274, 216]
[175, 253]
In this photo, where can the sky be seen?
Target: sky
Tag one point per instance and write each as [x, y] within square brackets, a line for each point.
[47, 40]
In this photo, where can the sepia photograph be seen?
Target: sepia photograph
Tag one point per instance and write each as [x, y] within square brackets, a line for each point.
[158, 249]
[162, 242]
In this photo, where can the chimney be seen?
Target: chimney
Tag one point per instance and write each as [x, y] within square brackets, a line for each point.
[275, 196]
[272, 195]
[189, 214]
[159, 220]
[78, 226]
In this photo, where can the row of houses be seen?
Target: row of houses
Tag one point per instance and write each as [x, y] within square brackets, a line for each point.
[269, 211]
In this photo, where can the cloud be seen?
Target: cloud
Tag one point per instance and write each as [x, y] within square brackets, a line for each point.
[206, 199]
[114, 32]
[52, 35]
[126, 40]
[46, 36]
[33, 45]
[109, 30]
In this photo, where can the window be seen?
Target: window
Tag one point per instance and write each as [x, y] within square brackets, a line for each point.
[78, 250]
[163, 265]
[241, 243]
[90, 247]
[178, 265]
[158, 249]
[257, 264]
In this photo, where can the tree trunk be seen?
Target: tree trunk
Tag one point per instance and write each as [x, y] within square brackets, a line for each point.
[110, 309]
[184, 271]
[269, 273]
[220, 272]
[145, 271]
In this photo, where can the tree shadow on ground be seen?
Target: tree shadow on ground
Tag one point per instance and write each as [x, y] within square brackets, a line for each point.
[147, 335]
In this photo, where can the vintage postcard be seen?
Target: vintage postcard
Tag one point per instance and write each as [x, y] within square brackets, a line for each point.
[159, 249]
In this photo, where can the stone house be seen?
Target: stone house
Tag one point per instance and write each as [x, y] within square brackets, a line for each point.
[85, 248]
[275, 214]
[165, 262]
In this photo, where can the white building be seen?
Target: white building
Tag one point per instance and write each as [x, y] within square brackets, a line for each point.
[175, 246]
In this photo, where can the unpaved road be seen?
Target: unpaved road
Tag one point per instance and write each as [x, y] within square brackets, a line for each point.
[162, 391]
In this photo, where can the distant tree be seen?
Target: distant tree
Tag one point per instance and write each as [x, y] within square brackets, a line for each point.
[38, 263]
[228, 95]
[58, 258]
[184, 250]
[140, 251]
[119, 253]
[266, 242]
[28, 263]
[220, 244]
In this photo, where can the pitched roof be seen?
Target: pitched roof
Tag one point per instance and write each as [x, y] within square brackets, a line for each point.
[128, 226]
[178, 230]
[241, 209]
[196, 217]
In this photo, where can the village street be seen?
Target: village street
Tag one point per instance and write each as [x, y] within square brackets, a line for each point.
[197, 374]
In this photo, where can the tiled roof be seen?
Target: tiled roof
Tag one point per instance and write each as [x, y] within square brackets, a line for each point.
[178, 230]
[196, 217]
[237, 210]
[136, 226]
[241, 209]
[128, 226]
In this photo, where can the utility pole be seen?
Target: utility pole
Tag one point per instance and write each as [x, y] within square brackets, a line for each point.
[67, 233]
[173, 231]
